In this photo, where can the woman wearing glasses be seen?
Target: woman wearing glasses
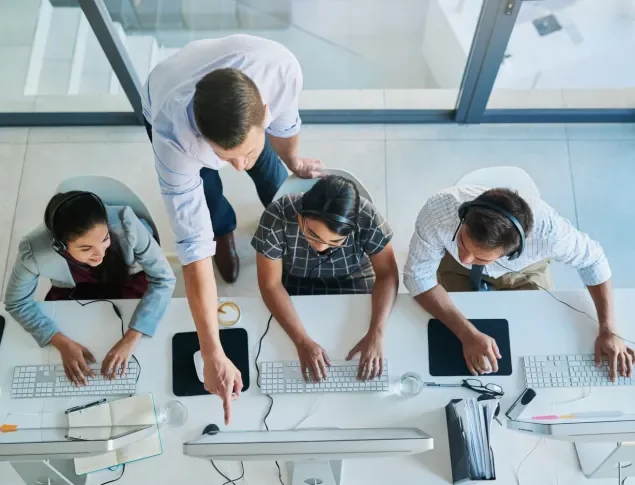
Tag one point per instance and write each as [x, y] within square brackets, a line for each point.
[324, 242]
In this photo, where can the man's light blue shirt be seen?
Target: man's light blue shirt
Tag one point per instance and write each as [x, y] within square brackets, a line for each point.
[180, 150]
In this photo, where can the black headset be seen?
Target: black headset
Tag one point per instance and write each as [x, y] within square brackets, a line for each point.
[58, 245]
[487, 203]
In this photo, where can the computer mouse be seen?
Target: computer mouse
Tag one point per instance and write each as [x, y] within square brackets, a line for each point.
[198, 363]
[211, 429]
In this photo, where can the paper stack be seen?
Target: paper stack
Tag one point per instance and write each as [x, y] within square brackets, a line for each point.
[469, 430]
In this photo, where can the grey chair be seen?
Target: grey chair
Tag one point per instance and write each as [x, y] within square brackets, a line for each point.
[112, 192]
[295, 184]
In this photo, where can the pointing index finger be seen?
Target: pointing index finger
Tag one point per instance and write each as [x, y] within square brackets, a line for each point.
[227, 404]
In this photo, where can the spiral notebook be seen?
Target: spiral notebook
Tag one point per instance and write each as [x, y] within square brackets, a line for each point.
[131, 411]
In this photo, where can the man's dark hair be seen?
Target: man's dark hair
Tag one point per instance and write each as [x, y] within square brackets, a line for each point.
[489, 229]
[227, 104]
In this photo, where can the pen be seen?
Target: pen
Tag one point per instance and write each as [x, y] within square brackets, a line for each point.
[434, 384]
[597, 414]
[85, 406]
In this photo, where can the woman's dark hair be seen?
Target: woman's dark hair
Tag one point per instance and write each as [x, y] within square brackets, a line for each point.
[333, 200]
[69, 215]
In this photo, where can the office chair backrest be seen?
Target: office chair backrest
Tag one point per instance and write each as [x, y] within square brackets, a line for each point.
[503, 177]
[112, 192]
[295, 184]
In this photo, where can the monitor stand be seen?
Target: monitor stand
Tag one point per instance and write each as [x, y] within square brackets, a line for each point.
[48, 472]
[607, 460]
[315, 472]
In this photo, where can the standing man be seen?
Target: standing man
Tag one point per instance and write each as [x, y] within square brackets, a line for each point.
[216, 102]
[468, 238]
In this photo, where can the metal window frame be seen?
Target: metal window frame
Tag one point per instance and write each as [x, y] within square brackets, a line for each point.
[494, 29]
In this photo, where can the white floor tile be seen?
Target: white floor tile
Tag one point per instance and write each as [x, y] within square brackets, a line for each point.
[328, 133]
[83, 102]
[365, 160]
[15, 102]
[418, 169]
[603, 181]
[529, 131]
[14, 135]
[342, 99]
[431, 98]
[17, 22]
[11, 162]
[601, 131]
[88, 134]
[13, 77]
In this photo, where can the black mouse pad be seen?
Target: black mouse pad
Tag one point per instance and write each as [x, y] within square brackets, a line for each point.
[184, 379]
[446, 352]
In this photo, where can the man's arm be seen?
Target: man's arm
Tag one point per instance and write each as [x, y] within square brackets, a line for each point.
[479, 350]
[420, 277]
[182, 191]
[287, 150]
[619, 355]
[312, 357]
[576, 249]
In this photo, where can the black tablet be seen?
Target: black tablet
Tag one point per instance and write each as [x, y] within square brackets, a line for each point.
[445, 352]
[184, 379]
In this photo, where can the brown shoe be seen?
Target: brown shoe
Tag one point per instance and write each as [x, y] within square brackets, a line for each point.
[226, 257]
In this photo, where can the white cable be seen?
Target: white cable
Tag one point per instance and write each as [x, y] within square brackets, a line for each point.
[517, 471]
[553, 405]
[41, 414]
[311, 414]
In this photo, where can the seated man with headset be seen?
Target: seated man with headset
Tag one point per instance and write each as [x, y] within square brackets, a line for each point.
[470, 238]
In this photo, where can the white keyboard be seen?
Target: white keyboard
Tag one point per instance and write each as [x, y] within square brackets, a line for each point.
[285, 377]
[569, 371]
[50, 381]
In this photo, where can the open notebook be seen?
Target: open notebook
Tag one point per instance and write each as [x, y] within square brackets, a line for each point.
[131, 411]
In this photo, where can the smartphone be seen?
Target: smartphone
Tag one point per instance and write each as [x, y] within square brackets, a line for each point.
[1, 327]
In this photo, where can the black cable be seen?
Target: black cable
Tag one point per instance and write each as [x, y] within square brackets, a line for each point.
[119, 315]
[123, 470]
[264, 419]
[229, 480]
[566, 304]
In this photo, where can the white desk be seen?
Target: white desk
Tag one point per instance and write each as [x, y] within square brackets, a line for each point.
[538, 325]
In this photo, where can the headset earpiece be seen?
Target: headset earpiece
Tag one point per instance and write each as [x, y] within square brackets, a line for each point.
[58, 245]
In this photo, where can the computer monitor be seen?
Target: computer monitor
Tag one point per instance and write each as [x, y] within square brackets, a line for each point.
[316, 453]
[602, 445]
[48, 453]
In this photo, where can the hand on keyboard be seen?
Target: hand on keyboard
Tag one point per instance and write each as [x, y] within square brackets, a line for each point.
[371, 361]
[74, 357]
[117, 358]
[313, 360]
[620, 356]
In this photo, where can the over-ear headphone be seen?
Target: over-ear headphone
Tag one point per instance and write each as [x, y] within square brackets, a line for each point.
[486, 203]
[58, 245]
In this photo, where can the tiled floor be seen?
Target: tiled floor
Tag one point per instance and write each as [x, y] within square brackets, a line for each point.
[585, 171]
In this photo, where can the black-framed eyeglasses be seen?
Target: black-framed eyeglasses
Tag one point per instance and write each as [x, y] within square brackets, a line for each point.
[489, 389]
[308, 237]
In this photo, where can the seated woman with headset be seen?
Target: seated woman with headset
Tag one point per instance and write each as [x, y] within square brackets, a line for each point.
[327, 241]
[90, 251]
